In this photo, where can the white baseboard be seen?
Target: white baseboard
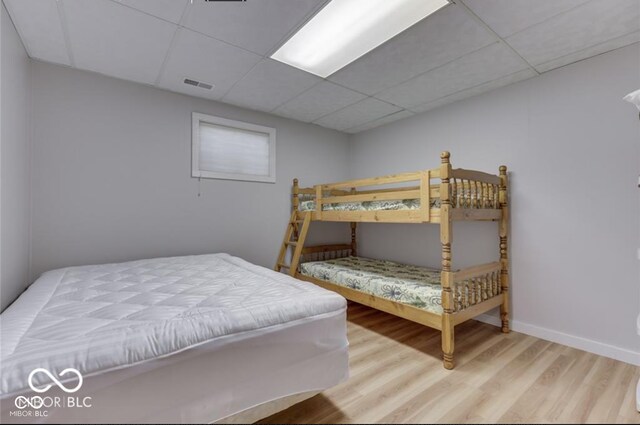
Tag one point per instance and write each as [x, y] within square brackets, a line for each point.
[595, 347]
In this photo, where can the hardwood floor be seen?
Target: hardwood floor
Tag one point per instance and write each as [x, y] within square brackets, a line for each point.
[397, 377]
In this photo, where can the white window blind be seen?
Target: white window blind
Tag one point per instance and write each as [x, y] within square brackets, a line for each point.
[227, 149]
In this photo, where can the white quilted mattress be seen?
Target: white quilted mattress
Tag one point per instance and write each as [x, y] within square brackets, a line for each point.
[108, 317]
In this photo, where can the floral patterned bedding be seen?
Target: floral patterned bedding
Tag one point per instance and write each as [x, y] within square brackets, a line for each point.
[413, 285]
[407, 204]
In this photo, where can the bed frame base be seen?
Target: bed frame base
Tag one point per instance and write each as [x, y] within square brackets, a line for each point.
[405, 311]
[265, 410]
[441, 322]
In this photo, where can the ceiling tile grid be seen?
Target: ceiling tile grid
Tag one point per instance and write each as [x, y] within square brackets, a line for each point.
[525, 74]
[40, 29]
[318, 101]
[258, 26]
[577, 29]
[381, 121]
[481, 66]
[268, 85]
[111, 39]
[466, 48]
[440, 38]
[201, 58]
[360, 113]
[509, 17]
[169, 10]
[590, 51]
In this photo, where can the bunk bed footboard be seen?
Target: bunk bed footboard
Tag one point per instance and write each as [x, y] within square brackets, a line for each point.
[476, 290]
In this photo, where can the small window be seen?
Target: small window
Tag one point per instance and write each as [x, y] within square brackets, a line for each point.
[232, 150]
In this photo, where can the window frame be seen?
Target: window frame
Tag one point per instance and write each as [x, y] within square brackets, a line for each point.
[198, 118]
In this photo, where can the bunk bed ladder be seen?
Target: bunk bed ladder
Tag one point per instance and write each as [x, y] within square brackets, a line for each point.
[297, 243]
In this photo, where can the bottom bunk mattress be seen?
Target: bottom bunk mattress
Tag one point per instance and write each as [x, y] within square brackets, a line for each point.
[413, 285]
[183, 339]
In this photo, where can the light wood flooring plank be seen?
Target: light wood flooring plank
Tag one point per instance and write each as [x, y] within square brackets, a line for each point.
[397, 377]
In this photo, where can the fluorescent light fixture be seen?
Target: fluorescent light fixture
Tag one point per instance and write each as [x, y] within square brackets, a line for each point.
[344, 30]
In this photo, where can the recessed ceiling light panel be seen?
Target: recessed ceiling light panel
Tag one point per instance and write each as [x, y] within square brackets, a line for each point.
[344, 30]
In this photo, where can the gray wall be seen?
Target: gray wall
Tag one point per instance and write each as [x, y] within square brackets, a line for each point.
[112, 176]
[15, 201]
[573, 148]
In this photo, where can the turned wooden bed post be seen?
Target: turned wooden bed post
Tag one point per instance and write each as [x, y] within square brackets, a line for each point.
[318, 210]
[296, 203]
[504, 245]
[354, 244]
[296, 192]
[354, 225]
[446, 275]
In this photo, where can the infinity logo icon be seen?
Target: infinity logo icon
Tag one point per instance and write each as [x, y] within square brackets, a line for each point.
[34, 402]
[55, 380]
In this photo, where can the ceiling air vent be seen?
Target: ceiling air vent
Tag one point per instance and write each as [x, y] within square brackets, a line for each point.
[198, 84]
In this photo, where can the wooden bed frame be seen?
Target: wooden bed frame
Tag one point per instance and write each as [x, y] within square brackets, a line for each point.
[464, 195]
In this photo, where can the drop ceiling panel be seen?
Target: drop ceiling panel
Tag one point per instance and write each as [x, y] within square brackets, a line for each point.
[479, 89]
[507, 17]
[270, 84]
[593, 23]
[451, 55]
[615, 43]
[484, 65]
[169, 10]
[442, 37]
[258, 26]
[205, 59]
[381, 121]
[40, 29]
[318, 101]
[365, 111]
[116, 40]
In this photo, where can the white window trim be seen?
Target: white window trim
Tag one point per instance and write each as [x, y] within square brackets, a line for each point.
[197, 118]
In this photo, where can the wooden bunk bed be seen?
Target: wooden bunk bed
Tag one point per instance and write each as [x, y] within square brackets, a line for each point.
[441, 196]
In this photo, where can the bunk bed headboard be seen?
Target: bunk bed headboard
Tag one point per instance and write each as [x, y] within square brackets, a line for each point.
[326, 252]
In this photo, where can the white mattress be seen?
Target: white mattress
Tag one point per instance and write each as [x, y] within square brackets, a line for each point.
[224, 333]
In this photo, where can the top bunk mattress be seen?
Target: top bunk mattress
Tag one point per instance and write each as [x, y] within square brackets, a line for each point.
[413, 285]
[407, 204]
[108, 317]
